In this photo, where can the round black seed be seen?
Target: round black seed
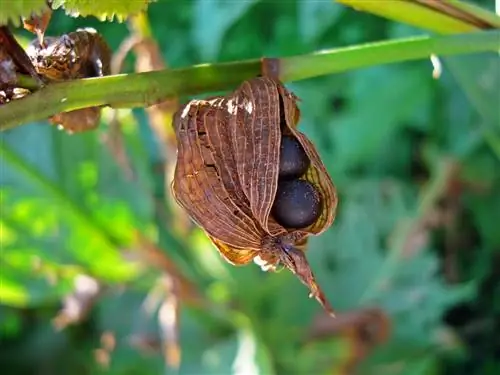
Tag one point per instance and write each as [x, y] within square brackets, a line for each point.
[293, 159]
[297, 204]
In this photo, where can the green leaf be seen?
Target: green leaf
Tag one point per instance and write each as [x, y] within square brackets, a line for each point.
[361, 134]
[213, 18]
[13, 11]
[413, 13]
[315, 17]
[241, 353]
[83, 188]
[368, 216]
[103, 10]
[479, 77]
[481, 13]
[123, 314]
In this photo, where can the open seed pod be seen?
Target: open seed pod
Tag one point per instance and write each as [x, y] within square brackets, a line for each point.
[80, 54]
[8, 76]
[227, 176]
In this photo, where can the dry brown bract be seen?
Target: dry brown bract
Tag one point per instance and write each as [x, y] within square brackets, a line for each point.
[80, 54]
[226, 176]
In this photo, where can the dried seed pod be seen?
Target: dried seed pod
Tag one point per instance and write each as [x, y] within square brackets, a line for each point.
[13, 60]
[80, 54]
[8, 76]
[227, 173]
[11, 48]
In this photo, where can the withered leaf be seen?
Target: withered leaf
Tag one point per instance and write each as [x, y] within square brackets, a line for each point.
[8, 76]
[11, 50]
[255, 137]
[37, 24]
[227, 175]
[80, 54]
[197, 186]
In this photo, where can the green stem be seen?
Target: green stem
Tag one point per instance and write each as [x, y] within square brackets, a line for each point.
[27, 82]
[334, 61]
[144, 89]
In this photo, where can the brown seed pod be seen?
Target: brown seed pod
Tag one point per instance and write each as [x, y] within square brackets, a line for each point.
[80, 54]
[13, 60]
[8, 76]
[227, 172]
[10, 49]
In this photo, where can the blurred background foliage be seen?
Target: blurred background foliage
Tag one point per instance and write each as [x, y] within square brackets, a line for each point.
[100, 272]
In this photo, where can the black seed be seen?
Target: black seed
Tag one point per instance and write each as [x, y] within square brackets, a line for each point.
[297, 204]
[293, 159]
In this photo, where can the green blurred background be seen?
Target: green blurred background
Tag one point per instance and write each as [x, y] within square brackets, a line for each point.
[411, 263]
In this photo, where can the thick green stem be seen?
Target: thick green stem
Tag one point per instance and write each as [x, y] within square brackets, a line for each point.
[27, 82]
[144, 89]
[328, 62]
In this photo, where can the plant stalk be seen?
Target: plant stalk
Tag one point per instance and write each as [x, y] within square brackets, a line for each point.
[145, 89]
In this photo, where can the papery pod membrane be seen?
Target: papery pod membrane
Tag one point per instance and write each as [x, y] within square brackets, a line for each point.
[198, 187]
[79, 120]
[255, 136]
[317, 173]
[80, 54]
[215, 113]
[233, 255]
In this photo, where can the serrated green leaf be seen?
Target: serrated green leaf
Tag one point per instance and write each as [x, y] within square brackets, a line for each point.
[13, 11]
[42, 167]
[103, 10]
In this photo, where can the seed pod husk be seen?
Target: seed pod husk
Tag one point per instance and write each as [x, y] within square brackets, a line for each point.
[80, 54]
[227, 175]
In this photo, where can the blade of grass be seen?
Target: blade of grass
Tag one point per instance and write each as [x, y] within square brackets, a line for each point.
[144, 89]
[412, 13]
[473, 15]
[444, 16]
[477, 12]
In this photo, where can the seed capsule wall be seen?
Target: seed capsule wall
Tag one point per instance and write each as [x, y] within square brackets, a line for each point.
[251, 180]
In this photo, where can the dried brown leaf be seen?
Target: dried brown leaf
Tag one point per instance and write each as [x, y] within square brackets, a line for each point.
[80, 54]
[10, 47]
[197, 185]
[38, 23]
